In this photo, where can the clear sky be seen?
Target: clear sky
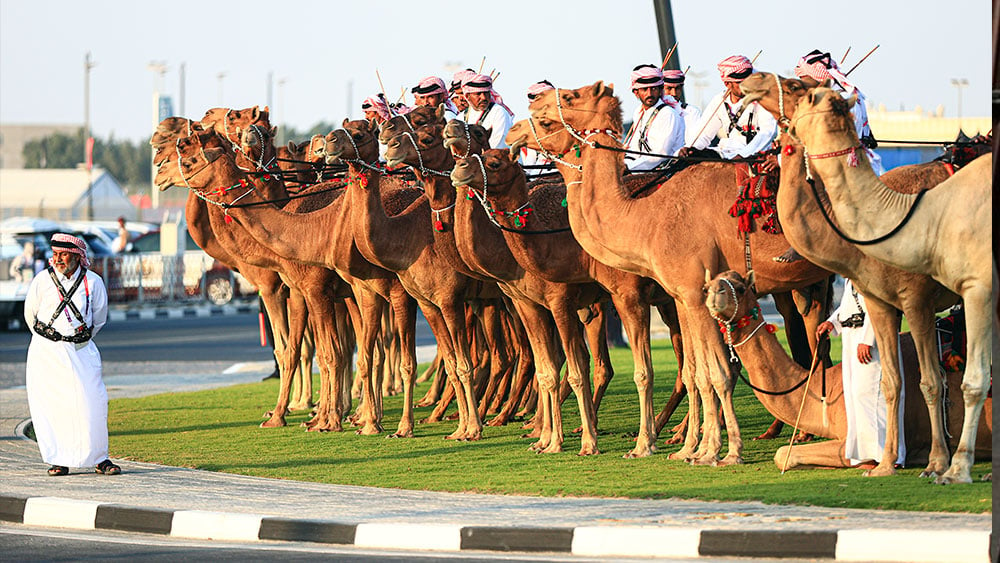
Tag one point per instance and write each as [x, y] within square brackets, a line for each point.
[324, 54]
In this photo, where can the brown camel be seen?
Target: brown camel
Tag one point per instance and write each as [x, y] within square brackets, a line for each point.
[205, 169]
[686, 218]
[481, 249]
[957, 255]
[273, 292]
[886, 288]
[549, 250]
[318, 286]
[770, 369]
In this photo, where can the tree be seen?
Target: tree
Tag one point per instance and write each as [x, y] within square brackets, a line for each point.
[128, 162]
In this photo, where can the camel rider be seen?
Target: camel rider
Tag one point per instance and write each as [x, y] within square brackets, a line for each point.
[486, 108]
[455, 92]
[817, 66]
[657, 125]
[64, 308]
[743, 137]
[673, 85]
[376, 108]
[862, 373]
[531, 157]
[431, 91]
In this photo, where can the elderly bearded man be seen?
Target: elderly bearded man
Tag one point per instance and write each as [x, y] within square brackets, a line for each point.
[65, 307]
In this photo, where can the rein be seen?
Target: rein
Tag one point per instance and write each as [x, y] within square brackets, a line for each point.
[520, 214]
[420, 158]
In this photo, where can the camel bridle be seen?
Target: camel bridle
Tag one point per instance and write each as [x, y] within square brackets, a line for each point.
[357, 152]
[420, 158]
[221, 191]
[727, 325]
[545, 152]
[468, 138]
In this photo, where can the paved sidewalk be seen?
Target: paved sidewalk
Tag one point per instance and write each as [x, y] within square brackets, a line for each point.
[189, 503]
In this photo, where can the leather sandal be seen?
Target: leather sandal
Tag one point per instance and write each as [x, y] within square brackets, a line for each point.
[108, 468]
[58, 471]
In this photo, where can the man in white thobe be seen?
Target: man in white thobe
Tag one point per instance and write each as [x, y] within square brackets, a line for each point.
[673, 86]
[862, 373]
[657, 126]
[67, 305]
[744, 136]
[486, 108]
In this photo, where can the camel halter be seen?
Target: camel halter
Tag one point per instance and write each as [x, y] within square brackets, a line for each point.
[420, 158]
[357, 152]
[783, 120]
[520, 214]
[545, 152]
[221, 191]
[468, 138]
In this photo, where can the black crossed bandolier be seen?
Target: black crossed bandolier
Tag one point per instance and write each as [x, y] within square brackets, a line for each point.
[83, 332]
[856, 320]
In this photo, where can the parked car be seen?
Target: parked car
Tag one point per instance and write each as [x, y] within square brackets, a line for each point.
[197, 272]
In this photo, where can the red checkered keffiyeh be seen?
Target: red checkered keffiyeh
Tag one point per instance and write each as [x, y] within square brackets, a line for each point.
[735, 68]
[538, 87]
[72, 244]
[646, 76]
[378, 105]
[483, 83]
[673, 77]
[821, 66]
[434, 85]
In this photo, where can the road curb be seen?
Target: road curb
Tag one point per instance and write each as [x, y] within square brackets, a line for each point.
[593, 541]
[119, 315]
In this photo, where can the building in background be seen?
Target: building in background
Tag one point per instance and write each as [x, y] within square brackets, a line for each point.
[13, 137]
[62, 194]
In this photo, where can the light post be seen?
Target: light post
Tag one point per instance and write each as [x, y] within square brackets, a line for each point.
[159, 69]
[959, 83]
[88, 143]
[281, 110]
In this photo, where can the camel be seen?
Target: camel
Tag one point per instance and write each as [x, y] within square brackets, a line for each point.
[685, 229]
[731, 296]
[476, 246]
[956, 255]
[204, 169]
[274, 293]
[885, 287]
[556, 256]
[319, 287]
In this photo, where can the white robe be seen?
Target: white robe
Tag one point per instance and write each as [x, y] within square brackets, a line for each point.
[732, 143]
[66, 395]
[657, 130]
[497, 120]
[863, 399]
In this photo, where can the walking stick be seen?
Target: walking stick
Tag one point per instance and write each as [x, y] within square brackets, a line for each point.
[798, 417]
[481, 63]
[721, 101]
[861, 61]
[844, 58]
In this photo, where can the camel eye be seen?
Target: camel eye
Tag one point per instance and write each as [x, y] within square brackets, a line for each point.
[704, 290]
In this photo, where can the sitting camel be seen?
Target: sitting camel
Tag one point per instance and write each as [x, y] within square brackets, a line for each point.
[894, 228]
[730, 296]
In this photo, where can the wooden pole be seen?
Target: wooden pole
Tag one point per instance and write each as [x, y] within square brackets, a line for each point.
[481, 63]
[844, 58]
[670, 53]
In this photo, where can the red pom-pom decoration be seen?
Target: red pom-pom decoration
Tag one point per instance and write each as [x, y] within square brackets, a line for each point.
[788, 150]
[771, 328]
[439, 226]
[229, 219]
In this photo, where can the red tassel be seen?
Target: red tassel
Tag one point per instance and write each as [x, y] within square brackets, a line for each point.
[771, 328]
[438, 226]
[788, 150]
[229, 219]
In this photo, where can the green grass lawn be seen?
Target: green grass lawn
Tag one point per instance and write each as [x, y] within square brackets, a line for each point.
[217, 430]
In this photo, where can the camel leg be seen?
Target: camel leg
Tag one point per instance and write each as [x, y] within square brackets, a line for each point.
[446, 345]
[804, 456]
[921, 319]
[982, 328]
[724, 389]
[538, 328]
[296, 317]
[340, 387]
[302, 389]
[669, 316]
[447, 395]
[635, 321]
[371, 306]
[596, 333]
[716, 366]
[692, 357]
[572, 337]
[328, 355]
[454, 316]
[498, 362]
[523, 369]
[886, 325]
[437, 383]
[356, 319]
[431, 370]
[405, 319]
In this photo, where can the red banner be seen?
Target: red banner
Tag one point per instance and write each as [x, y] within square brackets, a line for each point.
[90, 153]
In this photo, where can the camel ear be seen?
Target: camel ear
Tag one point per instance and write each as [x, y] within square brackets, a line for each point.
[211, 155]
[515, 149]
[255, 113]
[597, 88]
[274, 132]
[345, 122]
[439, 112]
[852, 100]
[267, 109]
[750, 279]
[708, 276]
[291, 145]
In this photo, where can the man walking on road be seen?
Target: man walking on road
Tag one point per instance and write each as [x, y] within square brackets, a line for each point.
[65, 307]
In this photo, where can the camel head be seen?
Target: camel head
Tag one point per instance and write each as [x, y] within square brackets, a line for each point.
[230, 122]
[464, 139]
[398, 124]
[543, 135]
[494, 173]
[186, 162]
[423, 149]
[356, 140]
[823, 122]
[762, 87]
[590, 107]
[257, 142]
[729, 295]
[171, 128]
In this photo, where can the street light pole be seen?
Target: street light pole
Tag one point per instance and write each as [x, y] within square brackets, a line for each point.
[159, 69]
[87, 143]
[959, 83]
[220, 76]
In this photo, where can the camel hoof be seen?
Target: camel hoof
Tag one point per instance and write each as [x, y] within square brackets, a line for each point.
[400, 434]
[474, 436]
[879, 471]
[680, 455]
[553, 449]
[273, 423]
[731, 460]
[674, 440]
[929, 474]
[588, 451]
[368, 430]
[497, 421]
[431, 419]
[453, 416]
[709, 460]
[952, 478]
[803, 437]
[987, 477]
[640, 451]
[425, 403]
[268, 414]
[767, 435]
